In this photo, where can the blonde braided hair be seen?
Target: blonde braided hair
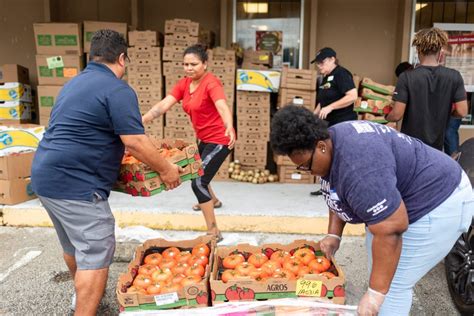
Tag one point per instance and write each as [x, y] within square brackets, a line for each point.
[430, 41]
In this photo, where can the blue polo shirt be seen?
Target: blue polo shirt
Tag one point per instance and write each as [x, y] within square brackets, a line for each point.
[81, 150]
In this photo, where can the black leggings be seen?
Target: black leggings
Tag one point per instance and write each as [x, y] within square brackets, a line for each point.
[212, 155]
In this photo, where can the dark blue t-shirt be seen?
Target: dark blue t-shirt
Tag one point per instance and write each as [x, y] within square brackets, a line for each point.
[81, 150]
[374, 168]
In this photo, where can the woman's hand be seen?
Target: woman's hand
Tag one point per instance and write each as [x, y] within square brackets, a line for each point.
[323, 114]
[147, 118]
[370, 303]
[329, 245]
[229, 132]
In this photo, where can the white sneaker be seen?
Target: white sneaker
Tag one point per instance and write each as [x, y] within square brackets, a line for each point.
[73, 302]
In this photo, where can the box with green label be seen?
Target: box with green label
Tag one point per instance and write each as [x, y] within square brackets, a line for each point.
[58, 38]
[15, 110]
[90, 27]
[47, 96]
[57, 69]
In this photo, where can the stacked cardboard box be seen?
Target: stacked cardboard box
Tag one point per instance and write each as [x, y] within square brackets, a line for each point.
[207, 38]
[145, 76]
[253, 128]
[16, 102]
[259, 60]
[90, 27]
[287, 172]
[223, 172]
[179, 34]
[298, 87]
[15, 172]
[58, 59]
[221, 62]
[375, 100]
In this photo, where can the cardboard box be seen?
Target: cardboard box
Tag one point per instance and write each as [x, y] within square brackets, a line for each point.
[196, 295]
[289, 174]
[180, 39]
[377, 87]
[90, 27]
[301, 79]
[356, 80]
[371, 95]
[58, 76]
[180, 132]
[58, 38]
[172, 67]
[207, 38]
[283, 161]
[181, 26]
[252, 66]
[262, 123]
[16, 137]
[145, 54]
[142, 38]
[136, 69]
[248, 149]
[374, 118]
[16, 165]
[150, 97]
[272, 288]
[372, 106]
[252, 112]
[297, 97]
[16, 110]
[16, 191]
[261, 57]
[15, 91]
[146, 84]
[14, 73]
[258, 80]
[221, 54]
[47, 96]
[254, 133]
[249, 96]
[173, 53]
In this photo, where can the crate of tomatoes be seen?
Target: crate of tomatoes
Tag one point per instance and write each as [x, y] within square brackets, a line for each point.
[167, 274]
[272, 271]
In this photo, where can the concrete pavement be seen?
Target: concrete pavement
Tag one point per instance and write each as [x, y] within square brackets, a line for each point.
[272, 207]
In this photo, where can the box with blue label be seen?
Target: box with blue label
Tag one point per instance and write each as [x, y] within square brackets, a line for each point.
[258, 80]
[15, 91]
[15, 110]
[19, 137]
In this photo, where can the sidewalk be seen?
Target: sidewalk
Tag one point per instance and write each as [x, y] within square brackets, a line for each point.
[272, 207]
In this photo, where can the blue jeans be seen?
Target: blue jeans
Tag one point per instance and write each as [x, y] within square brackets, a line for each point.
[425, 243]
[451, 137]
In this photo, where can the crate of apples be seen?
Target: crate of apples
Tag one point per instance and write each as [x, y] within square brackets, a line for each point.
[168, 274]
[246, 272]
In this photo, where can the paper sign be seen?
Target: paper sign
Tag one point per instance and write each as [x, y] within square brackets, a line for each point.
[55, 62]
[298, 101]
[263, 57]
[168, 298]
[69, 72]
[296, 176]
[308, 288]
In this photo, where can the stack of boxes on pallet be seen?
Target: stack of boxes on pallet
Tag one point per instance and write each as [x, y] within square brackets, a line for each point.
[375, 101]
[179, 34]
[298, 87]
[221, 63]
[90, 27]
[59, 58]
[16, 102]
[144, 75]
[253, 128]
[259, 60]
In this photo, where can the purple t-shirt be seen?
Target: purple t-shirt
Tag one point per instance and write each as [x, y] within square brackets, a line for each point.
[374, 168]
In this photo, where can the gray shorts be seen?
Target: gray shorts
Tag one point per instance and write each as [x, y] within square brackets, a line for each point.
[85, 230]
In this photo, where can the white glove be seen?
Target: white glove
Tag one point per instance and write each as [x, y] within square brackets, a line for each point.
[370, 303]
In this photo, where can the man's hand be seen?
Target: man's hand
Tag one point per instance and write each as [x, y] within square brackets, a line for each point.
[229, 131]
[171, 177]
[323, 114]
[370, 303]
[329, 245]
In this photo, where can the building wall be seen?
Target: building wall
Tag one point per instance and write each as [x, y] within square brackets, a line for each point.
[91, 10]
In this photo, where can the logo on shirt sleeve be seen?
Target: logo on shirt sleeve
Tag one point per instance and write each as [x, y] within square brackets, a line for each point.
[378, 208]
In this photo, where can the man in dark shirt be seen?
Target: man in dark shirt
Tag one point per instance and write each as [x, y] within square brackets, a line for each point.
[424, 96]
[95, 116]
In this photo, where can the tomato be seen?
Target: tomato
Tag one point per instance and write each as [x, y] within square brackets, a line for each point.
[229, 275]
[305, 255]
[180, 267]
[154, 259]
[171, 253]
[167, 263]
[280, 256]
[232, 293]
[201, 249]
[231, 261]
[258, 274]
[177, 278]
[195, 269]
[142, 281]
[328, 275]
[284, 274]
[247, 294]
[244, 268]
[320, 264]
[202, 298]
[198, 259]
[170, 288]
[190, 280]
[147, 269]
[184, 256]
[258, 259]
[155, 288]
[303, 271]
[339, 291]
[161, 275]
[292, 264]
[270, 266]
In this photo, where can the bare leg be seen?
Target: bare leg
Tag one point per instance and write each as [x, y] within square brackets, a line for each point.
[71, 264]
[209, 216]
[90, 287]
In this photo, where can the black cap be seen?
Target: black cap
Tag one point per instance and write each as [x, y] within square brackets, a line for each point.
[324, 53]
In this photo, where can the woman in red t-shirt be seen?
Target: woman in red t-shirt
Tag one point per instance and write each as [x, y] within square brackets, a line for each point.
[204, 101]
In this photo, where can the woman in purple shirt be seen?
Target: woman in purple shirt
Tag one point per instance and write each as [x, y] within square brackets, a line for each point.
[414, 200]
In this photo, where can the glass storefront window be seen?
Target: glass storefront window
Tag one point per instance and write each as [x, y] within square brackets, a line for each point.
[270, 25]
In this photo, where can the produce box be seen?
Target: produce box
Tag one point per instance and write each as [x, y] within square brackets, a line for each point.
[257, 273]
[15, 91]
[371, 95]
[182, 26]
[261, 57]
[154, 281]
[180, 39]
[142, 38]
[377, 87]
[221, 54]
[15, 191]
[16, 110]
[258, 80]
[16, 165]
[372, 106]
[14, 73]
[90, 27]
[16, 137]
[297, 97]
[68, 67]
[58, 38]
[374, 118]
[302, 79]
[173, 53]
[144, 54]
[289, 174]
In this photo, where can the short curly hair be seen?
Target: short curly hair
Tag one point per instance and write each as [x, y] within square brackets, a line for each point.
[295, 128]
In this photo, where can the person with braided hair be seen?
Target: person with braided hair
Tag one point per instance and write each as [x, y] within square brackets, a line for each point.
[424, 97]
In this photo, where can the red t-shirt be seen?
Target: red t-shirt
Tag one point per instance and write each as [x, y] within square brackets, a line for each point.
[200, 106]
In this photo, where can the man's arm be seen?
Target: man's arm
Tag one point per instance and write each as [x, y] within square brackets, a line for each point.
[141, 148]
[397, 112]
[460, 109]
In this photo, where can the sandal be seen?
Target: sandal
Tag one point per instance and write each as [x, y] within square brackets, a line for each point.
[217, 204]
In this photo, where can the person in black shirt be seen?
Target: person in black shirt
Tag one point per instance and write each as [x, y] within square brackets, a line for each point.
[336, 92]
[424, 96]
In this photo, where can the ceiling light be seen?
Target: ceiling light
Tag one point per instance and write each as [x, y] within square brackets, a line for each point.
[255, 7]
[420, 6]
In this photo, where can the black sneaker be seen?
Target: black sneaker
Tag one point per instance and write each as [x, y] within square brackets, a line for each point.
[316, 193]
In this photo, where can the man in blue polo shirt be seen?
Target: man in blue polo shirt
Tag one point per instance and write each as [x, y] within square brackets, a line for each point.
[95, 116]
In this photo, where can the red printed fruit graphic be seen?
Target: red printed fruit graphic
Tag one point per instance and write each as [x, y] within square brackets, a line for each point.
[387, 109]
[201, 298]
[324, 290]
[339, 291]
[247, 294]
[232, 293]
[213, 295]
[144, 192]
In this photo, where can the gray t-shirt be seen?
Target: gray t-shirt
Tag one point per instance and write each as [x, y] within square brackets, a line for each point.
[374, 168]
